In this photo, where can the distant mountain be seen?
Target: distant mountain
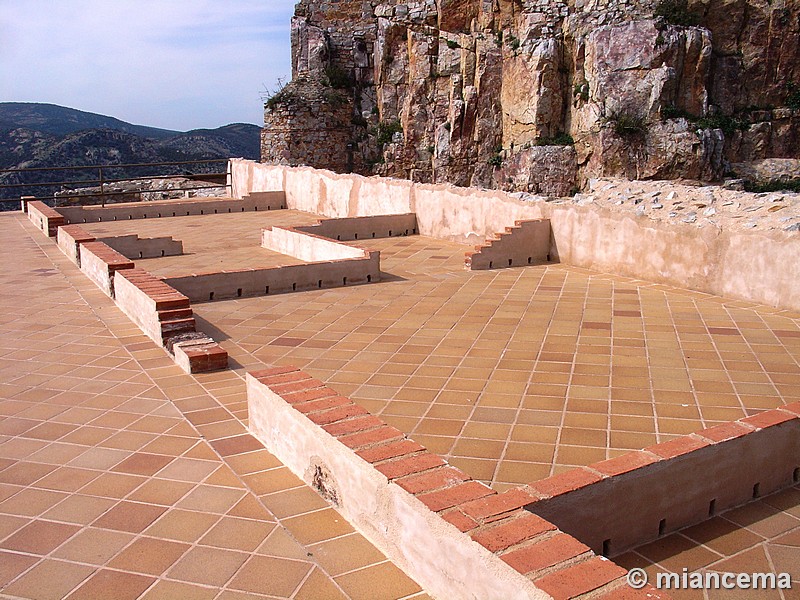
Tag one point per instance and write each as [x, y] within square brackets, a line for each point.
[43, 136]
[61, 121]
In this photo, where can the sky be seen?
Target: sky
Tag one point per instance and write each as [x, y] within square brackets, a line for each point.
[174, 64]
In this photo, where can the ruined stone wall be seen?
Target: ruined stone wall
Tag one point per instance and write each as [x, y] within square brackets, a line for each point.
[464, 91]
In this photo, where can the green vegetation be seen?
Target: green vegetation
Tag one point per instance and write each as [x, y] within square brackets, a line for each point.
[560, 139]
[337, 78]
[496, 159]
[773, 186]
[793, 96]
[513, 43]
[581, 91]
[627, 123]
[452, 44]
[728, 124]
[676, 12]
[279, 98]
[387, 130]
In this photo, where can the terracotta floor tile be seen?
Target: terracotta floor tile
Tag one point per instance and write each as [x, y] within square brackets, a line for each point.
[172, 590]
[49, 580]
[211, 499]
[209, 566]
[31, 502]
[161, 491]
[345, 554]
[237, 534]
[182, 525]
[319, 587]
[142, 463]
[394, 583]
[39, 537]
[130, 516]
[93, 546]
[112, 485]
[317, 526]
[112, 585]
[12, 565]
[267, 575]
[149, 556]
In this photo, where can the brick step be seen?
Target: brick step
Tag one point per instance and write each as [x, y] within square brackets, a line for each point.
[176, 326]
[177, 313]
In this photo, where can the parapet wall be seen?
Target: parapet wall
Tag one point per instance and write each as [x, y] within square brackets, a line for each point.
[622, 503]
[170, 208]
[44, 217]
[100, 263]
[363, 228]
[458, 538]
[306, 246]
[738, 264]
[134, 247]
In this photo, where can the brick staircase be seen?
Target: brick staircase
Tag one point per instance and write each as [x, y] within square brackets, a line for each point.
[526, 243]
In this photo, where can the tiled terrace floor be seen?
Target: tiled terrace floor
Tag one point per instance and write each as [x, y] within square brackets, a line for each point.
[761, 537]
[122, 478]
[234, 243]
[520, 373]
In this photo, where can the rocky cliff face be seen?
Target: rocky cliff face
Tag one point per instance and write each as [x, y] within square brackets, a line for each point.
[539, 95]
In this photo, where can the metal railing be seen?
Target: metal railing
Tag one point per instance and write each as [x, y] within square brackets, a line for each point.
[102, 181]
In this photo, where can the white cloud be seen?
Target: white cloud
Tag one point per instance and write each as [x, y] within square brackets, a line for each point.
[176, 64]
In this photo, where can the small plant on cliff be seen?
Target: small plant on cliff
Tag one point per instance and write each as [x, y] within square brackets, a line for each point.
[387, 130]
[452, 44]
[560, 139]
[728, 124]
[676, 12]
[513, 43]
[337, 78]
[627, 123]
[496, 159]
[793, 96]
[581, 91]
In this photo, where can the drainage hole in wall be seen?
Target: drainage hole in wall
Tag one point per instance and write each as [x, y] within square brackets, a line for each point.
[338, 237]
[712, 508]
[369, 278]
[162, 253]
[140, 255]
[355, 236]
[319, 283]
[606, 548]
[215, 211]
[530, 259]
[796, 475]
[255, 208]
[294, 287]
[115, 218]
[756, 490]
[201, 212]
[239, 292]
[173, 214]
[510, 261]
[211, 296]
[159, 215]
[390, 233]
[548, 258]
[243, 209]
[662, 527]
[490, 264]
[266, 290]
[344, 280]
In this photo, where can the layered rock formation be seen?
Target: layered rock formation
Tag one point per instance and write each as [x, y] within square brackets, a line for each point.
[538, 95]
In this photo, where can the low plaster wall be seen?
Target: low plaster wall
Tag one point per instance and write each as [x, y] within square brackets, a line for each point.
[306, 246]
[44, 218]
[278, 280]
[458, 538]
[744, 265]
[622, 503]
[134, 247]
[171, 208]
[70, 238]
[362, 228]
[100, 264]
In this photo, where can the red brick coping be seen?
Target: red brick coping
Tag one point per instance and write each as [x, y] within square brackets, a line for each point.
[553, 561]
